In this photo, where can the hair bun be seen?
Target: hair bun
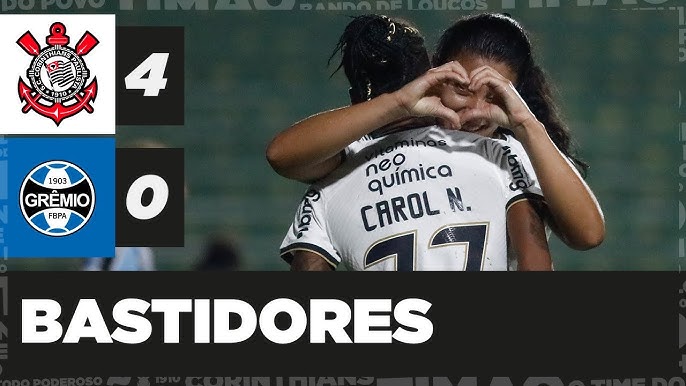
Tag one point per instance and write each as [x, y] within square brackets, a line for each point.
[380, 55]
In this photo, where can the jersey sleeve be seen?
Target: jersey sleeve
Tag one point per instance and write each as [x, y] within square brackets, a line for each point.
[516, 174]
[355, 147]
[308, 231]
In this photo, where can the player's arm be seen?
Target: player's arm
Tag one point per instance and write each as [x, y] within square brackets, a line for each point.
[574, 213]
[309, 247]
[527, 238]
[309, 261]
[311, 148]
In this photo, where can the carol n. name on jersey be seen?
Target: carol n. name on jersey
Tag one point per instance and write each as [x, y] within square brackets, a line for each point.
[422, 199]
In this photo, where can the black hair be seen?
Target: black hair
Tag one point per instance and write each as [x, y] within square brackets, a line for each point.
[500, 38]
[380, 55]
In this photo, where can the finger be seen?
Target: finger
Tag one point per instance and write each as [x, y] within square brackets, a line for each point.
[454, 66]
[453, 100]
[491, 113]
[444, 123]
[457, 67]
[487, 69]
[446, 76]
[484, 71]
[448, 117]
[435, 108]
[500, 86]
[454, 79]
[473, 114]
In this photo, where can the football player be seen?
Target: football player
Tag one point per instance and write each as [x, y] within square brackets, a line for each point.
[418, 198]
[485, 100]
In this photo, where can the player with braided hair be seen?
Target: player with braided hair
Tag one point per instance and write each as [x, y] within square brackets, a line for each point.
[394, 54]
[380, 55]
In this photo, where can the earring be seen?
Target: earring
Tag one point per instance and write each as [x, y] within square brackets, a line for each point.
[391, 32]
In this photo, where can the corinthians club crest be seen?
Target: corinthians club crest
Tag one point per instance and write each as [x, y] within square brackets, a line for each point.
[57, 76]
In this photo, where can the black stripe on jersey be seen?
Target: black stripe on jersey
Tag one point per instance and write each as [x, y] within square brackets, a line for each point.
[522, 197]
[503, 132]
[287, 252]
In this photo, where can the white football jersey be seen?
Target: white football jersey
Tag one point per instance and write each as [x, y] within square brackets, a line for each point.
[420, 199]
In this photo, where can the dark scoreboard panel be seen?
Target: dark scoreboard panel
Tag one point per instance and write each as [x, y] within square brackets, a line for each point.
[150, 76]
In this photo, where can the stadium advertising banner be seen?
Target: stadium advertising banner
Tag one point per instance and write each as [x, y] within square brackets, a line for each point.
[168, 167]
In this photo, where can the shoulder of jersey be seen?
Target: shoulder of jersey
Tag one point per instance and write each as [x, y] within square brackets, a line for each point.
[416, 133]
[509, 139]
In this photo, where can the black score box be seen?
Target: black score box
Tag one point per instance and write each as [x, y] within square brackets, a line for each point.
[150, 197]
[150, 76]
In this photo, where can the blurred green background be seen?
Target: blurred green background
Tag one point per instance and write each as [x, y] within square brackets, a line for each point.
[250, 74]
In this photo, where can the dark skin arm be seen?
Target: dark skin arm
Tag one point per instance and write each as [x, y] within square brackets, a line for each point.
[526, 234]
[309, 261]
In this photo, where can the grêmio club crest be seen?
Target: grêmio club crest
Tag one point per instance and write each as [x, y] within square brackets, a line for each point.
[57, 76]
